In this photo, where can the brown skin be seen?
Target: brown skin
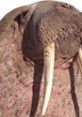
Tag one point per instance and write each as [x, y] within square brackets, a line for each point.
[68, 28]
[45, 28]
[27, 38]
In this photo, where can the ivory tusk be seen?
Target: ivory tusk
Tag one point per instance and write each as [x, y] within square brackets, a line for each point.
[79, 60]
[49, 57]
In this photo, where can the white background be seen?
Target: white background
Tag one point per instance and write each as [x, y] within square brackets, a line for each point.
[8, 5]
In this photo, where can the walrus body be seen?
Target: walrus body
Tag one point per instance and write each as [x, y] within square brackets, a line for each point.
[45, 31]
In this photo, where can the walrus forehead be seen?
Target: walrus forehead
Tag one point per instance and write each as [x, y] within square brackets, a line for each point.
[45, 6]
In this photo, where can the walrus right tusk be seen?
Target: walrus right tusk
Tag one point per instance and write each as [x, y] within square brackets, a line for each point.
[79, 60]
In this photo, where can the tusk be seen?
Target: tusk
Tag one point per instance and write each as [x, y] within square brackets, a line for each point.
[79, 60]
[49, 56]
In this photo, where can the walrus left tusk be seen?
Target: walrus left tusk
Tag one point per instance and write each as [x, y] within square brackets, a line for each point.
[49, 55]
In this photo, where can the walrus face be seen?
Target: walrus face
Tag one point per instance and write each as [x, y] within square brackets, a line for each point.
[56, 38]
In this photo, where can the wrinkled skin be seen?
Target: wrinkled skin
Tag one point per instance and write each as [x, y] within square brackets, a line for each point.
[51, 23]
[24, 33]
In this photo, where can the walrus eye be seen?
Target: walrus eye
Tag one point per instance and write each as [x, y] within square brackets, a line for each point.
[49, 56]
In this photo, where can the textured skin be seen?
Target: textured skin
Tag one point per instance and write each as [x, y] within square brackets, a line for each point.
[58, 23]
[20, 78]
[48, 22]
